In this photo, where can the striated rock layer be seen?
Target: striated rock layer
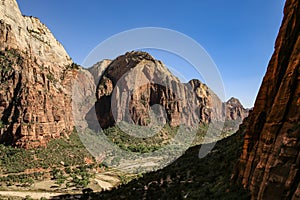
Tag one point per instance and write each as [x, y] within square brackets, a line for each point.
[210, 104]
[235, 110]
[269, 164]
[135, 85]
[35, 81]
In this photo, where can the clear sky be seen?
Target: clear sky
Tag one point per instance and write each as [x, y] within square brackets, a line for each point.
[238, 35]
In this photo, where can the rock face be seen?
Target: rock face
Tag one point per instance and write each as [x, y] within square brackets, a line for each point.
[235, 110]
[28, 34]
[84, 87]
[97, 69]
[269, 164]
[212, 108]
[135, 84]
[35, 81]
[141, 84]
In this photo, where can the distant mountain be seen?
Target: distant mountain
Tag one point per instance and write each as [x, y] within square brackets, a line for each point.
[97, 69]
[235, 110]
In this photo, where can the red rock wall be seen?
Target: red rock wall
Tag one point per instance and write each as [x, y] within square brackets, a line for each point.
[269, 164]
[35, 105]
[35, 81]
[140, 82]
[153, 84]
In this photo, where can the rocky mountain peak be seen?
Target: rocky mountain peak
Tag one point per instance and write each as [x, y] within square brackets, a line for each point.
[235, 110]
[29, 35]
[138, 56]
[97, 69]
[137, 59]
[140, 82]
[131, 59]
[234, 101]
[9, 7]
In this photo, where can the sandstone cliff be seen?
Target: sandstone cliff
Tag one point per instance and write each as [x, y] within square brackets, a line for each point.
[269, 164]
[35, 81]
[210, 104]
[235, 110]
[98, 69]
[143, 84]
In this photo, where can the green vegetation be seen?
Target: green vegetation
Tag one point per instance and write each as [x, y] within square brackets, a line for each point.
[28, 197]
[2, 125]
[141, 145]
[68, 151]
[33, 31]
[63, 159]
[78, 177]
[73, 66]
[51, 77]
[162, 138]
[189, 177]
[9, 59]
[23, 180]
[81, 176]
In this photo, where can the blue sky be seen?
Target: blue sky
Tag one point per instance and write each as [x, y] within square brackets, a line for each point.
[238, 35]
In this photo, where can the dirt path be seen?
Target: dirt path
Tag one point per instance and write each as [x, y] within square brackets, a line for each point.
[34, 195]
[105, 180]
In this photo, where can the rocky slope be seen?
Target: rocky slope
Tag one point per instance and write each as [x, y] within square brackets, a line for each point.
[35, 81]
[269, 164]
[142, 84]
[210, 104]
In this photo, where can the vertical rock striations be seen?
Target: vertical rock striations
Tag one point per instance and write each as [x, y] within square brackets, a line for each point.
[135, 84]
[210, 106]
[235, 110]
[269, 164]
[35, 81]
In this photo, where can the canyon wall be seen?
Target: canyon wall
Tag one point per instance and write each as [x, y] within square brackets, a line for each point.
[35, 81]
[135, 84]
[269, 164]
